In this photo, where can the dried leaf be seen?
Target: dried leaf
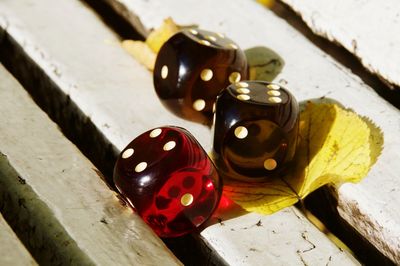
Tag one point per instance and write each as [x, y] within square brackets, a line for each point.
[159, 36]
[267, 3]
[262, 197]
[375, 140]
[336, 146]
[264, 63]
[141, 52]
[146, 52]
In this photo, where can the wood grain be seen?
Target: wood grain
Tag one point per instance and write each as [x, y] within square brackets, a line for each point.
[84, 60]
[371, 206]
[368, 29]
[12, 251]
[55, 199]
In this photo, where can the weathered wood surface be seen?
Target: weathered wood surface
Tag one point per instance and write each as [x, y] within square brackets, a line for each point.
[12, 251]
[85, 61]
[55, 198]
[371, 207]
[368, 29]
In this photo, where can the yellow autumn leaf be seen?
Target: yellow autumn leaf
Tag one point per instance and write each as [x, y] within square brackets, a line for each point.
[160, 35]
[146, 52]
[267, 3]
[141, 52]
[336, 146]
[375, 140]
[262, 197]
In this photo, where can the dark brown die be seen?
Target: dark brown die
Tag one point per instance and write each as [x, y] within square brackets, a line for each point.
[255, 131]
[191, 69]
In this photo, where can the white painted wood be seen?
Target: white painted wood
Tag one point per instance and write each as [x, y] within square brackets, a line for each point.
[277, 239]
[368, 29]
[114, 90]
[12, 251]
[371, 206]
[55, 195]
[310, 73]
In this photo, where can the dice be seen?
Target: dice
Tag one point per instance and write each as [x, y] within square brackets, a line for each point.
[255, 130]
[168, 178]
[192, 67]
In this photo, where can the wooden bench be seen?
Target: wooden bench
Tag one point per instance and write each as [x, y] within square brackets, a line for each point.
[371, 206]
[12, 250]
[75, 67]
[369, 31]
[54, 199]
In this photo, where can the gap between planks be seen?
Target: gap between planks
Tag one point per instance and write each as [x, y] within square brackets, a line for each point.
[310, 73]
[339, 53]
[369, 30]
[12, 251]
[53, 198]
[89, 75]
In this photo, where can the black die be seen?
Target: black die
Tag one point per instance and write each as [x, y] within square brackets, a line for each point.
[255, 131]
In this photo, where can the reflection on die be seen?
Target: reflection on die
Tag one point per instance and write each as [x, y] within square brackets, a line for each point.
[168, 178]
[255, 130]
[191, 69]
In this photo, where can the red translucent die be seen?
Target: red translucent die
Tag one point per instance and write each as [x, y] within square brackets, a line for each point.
[168, 178]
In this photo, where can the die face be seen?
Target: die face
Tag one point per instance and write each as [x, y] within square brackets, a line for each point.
[168, 178]
[184, 202]
[255, 131]
[191, 69]
[264, 140]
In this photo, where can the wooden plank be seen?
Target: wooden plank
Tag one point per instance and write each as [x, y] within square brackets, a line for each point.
[12, 251]
[55, 197]
[325, 77]
[371, 207]
[368, 29]
[116, 93]
[277, 239]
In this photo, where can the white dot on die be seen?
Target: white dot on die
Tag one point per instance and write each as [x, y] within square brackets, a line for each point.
[211, 38]
[243, 97]
[206, 74]
[199, 105]
[187, 199]
[169, 145]
[273, 87]
[242, 84]
[241, 132]
[164, 72]
[234, 77]
[243, 90]
[155, 133]
[275, 99]
[270, 164]
[140, 167]
[127, 153]
[274, 93]
[204, 42]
